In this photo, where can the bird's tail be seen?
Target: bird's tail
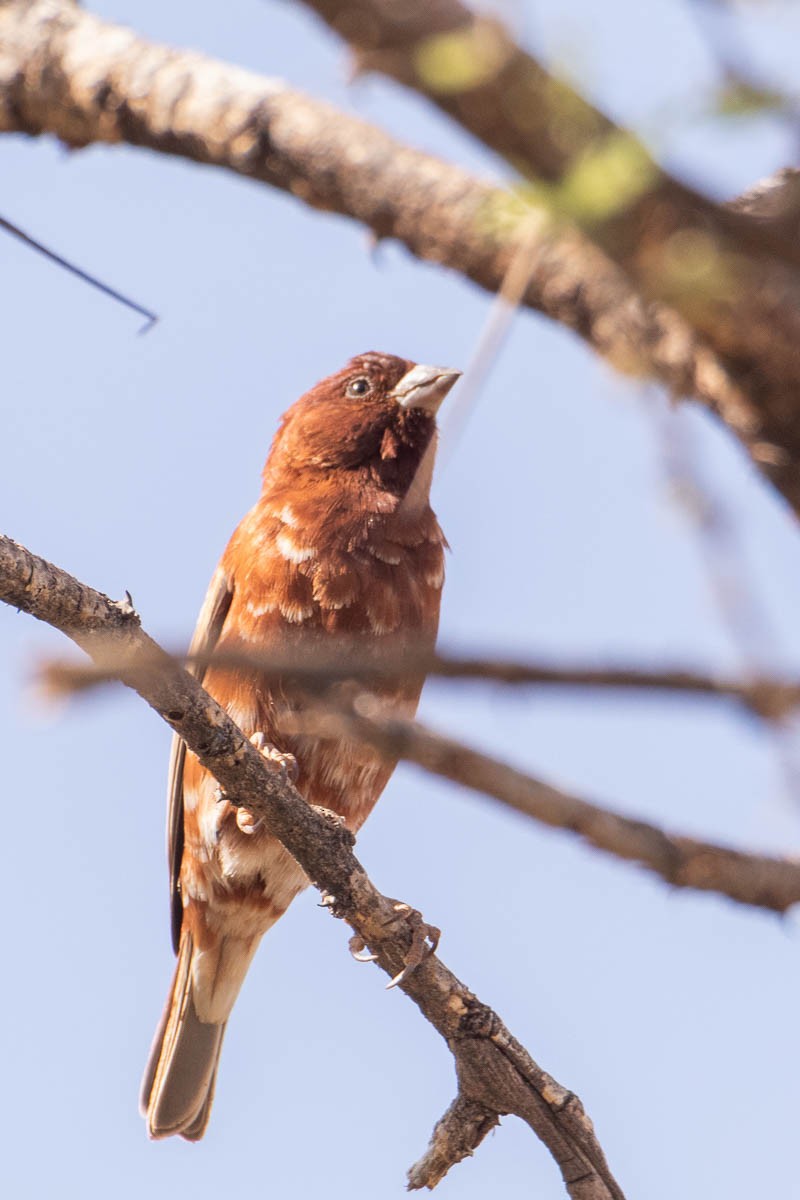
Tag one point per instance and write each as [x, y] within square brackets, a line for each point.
[178, 1084]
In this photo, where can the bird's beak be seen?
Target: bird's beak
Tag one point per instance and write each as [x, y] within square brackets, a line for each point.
[424, 387]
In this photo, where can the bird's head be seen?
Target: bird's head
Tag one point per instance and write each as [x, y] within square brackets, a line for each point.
[375, 419]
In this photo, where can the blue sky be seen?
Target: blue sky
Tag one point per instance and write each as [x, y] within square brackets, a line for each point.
[129, 460]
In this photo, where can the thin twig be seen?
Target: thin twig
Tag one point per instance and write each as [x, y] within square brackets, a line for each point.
[496, 329]
[732, 586]
[767, 696]
[92, 280]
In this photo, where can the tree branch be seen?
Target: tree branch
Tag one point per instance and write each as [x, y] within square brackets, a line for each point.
[495, 1074]
[735, 280]
[760, 880]
[756, 879]
[768, 697]
[67, 73]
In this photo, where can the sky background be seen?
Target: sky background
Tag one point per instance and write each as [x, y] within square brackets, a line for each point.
[129, 460]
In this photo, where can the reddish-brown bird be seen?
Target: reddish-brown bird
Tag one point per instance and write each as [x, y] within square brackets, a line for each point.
[342, 543]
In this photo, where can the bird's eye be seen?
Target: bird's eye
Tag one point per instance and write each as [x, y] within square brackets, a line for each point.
[359, 387]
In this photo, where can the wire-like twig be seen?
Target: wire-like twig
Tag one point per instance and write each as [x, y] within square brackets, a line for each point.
[496, 1075]
[92, 280]
[733, 588]
[497, 326]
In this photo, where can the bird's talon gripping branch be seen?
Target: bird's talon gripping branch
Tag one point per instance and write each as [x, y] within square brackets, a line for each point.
[357, 947]
[424, 941]
[287, 762]
[245, 821]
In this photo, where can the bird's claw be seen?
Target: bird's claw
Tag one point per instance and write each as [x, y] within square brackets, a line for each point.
[245, 820]
[424, 941]
[287, 762]
[126, 606]
[357, 947]
[332, 903]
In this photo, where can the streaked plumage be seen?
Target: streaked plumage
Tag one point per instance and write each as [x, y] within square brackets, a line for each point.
[341, 544]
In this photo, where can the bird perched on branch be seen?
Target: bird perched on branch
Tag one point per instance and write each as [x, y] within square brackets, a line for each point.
[342, 544]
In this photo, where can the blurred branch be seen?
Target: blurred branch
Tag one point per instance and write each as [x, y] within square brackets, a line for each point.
[734, 280]
[469, 65]
[496, 1075]
[768, 697]
[745, 88]
[732, 585]
[496, 328]
[759, 880]
[67, 73]
[92, 280]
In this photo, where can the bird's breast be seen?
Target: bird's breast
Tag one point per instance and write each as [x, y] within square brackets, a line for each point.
[298, 588]
[361, 575]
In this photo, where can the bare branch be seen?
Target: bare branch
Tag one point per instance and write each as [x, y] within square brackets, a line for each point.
[734, 280]
[760, 880]
[462, 1128]
[768, 697]
[469, 65]
[67, 73]
[494, 1071]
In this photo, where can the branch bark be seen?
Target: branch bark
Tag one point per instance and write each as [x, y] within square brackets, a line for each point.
[66, 73]
[755, 879]
[496, 1075]
[735, 280]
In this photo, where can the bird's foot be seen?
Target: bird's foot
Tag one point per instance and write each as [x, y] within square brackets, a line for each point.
[357, 947]
[245, 820]
[424, 940]
[287, 762]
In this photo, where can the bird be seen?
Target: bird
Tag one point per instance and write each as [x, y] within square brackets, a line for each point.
[341, 544]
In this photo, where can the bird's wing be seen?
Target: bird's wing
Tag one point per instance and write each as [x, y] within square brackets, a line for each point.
[206, 635]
